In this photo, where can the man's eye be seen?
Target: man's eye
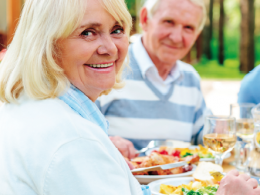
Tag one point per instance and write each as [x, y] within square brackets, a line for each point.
[169, 21]
[87, 33]
[189, 27]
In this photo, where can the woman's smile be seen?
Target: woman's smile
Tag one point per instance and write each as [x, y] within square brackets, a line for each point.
[103, 68]
[100, 66]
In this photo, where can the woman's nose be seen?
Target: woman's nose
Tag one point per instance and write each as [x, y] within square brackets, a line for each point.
[107, 46]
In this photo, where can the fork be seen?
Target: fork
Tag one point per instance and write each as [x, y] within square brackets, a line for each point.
[154, 144]
[151, 145]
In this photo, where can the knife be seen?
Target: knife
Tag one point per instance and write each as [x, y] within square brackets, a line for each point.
[160, 167]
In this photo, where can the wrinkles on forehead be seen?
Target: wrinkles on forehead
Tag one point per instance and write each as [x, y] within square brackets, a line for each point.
[184, 10]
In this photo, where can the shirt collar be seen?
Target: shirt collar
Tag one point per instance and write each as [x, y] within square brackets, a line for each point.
[83, 106]
[143, 59]
[145, 63]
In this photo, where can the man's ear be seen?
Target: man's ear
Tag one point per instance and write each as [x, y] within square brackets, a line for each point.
[197, 36]
[144, 18]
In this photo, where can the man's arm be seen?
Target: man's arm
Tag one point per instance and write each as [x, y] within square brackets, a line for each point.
[199, 118]
[236, 184]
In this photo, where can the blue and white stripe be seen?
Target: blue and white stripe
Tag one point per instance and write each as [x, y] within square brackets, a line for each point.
[141, 111]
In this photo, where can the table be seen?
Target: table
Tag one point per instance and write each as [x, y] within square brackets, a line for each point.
[226, 163]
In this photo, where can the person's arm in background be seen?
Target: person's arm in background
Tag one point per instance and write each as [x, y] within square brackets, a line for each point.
[199, 118]
[236, 184]
[125, 147]
[249, 89]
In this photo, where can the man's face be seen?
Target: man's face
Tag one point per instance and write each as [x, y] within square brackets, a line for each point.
[172, 30]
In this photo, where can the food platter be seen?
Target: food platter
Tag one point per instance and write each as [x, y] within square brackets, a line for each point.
[155, 185]
[149, 151]
[145, 179]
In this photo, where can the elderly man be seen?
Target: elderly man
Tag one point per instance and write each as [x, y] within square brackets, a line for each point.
[162, 97]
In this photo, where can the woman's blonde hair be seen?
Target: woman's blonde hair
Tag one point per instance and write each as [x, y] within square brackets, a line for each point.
[29, 64]
[152, 5]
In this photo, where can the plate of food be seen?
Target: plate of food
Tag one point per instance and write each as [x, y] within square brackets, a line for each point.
[201, 151]
[201, 183]
[155, 159]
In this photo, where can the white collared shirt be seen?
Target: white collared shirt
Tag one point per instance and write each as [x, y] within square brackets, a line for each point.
[150, 71]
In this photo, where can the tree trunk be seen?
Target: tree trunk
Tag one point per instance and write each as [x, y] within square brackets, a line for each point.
[138, 5]
[13, 13]
[221, 33]
[208, 31]
[247, 47]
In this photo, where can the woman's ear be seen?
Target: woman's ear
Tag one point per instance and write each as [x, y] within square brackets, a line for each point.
[144, 18]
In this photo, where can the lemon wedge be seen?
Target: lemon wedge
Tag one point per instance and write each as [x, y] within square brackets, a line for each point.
[217, 175]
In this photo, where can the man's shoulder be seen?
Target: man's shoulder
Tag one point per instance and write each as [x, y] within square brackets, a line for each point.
[187, 68]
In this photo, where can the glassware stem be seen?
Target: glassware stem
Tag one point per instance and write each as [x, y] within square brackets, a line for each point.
[219, 159]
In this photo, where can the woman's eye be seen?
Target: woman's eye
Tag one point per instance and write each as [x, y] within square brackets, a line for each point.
[87, 33]
[118, 31]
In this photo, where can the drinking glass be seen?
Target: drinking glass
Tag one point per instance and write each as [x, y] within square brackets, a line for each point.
[244, 132]
[219, 135]
[244, 120]
[254, 158]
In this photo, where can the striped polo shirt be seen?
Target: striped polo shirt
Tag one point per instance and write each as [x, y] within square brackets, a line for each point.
[140, 112]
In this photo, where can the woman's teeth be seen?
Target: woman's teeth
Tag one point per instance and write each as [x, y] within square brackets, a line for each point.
[100, 65]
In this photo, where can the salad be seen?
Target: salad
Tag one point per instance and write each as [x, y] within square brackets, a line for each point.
[207, 190]
[201, 151]
[193, 188]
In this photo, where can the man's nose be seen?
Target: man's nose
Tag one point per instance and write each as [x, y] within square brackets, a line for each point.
[107, 46]
[176, 34]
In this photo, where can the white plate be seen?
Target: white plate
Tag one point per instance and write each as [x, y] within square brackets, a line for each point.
[148, 152]
[145, 179]
[155, 185]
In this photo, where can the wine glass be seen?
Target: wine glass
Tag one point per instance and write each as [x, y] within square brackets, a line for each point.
[219, 135]
[254, 157]
[244, 132]
[244, 120]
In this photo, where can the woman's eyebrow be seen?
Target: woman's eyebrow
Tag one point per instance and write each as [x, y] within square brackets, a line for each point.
[94, 24]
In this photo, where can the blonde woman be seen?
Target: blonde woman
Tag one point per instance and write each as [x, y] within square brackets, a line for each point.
[53, 139]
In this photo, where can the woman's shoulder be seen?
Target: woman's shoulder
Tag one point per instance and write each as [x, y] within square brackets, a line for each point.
[47, 117]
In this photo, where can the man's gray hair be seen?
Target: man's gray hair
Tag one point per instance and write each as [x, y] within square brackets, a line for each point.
[152, 5]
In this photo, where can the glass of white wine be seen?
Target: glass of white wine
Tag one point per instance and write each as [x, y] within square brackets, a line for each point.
[254, 157]
[244, 120]
[219, 135]
[244, 132]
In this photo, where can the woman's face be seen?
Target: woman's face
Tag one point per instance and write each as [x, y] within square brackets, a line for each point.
[95, 52]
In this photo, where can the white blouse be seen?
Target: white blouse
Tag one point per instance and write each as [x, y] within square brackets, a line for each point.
[48, 149]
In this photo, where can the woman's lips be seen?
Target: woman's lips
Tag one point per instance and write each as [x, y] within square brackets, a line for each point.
[100, 66]
[104, 68]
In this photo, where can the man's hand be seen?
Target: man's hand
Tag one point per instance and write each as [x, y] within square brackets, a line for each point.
[125, 147]
[130, 165]
[236, 184]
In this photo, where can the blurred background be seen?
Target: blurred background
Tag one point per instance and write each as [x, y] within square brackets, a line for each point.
[227, 49]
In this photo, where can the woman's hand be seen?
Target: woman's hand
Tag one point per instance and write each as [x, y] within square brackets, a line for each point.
[236, 184]
[125, 147]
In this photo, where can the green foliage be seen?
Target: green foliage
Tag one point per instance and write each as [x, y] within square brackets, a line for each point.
[211, 69]
[131, 7]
